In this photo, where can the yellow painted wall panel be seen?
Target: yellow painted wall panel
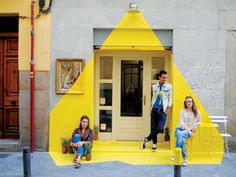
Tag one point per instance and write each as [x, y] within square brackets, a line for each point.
[132, 33]
[65, 117]
[15, 6]
[207, 138]
[42, 33]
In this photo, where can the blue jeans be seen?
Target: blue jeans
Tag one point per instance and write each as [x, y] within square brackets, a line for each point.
[181, 135]
[158, 120]
[80, 150]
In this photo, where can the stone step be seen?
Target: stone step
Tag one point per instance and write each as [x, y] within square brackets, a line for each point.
[9, 145]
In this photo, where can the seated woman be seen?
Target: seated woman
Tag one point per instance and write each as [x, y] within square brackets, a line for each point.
[190, 119]
[82, 139]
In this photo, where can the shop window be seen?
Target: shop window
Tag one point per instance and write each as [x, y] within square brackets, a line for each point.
[105, 121]
[158, 64]
[105, 94]
[106, 63]
[105, 85]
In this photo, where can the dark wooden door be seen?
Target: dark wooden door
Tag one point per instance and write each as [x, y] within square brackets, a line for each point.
[9, 88]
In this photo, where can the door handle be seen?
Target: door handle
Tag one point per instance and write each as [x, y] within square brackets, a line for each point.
[144, 99]
[13, 102]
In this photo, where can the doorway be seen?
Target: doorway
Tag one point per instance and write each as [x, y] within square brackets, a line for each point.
[131, 97]
[123, 92]
[9, 78]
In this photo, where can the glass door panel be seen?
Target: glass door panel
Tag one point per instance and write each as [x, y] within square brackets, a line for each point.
[131, 103]
[131, 88]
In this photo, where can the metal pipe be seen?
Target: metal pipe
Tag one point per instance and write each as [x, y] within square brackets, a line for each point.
[26, 162]
[32, 80]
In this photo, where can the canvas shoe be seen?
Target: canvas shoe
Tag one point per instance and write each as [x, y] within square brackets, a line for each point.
[145, 141]
[75, 159]
[77, 165]
[184, 163]
[154, 147]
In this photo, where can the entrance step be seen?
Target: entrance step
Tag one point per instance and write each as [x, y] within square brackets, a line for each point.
[9, 145]
[130, 152]
[128, 147]
[123, 151]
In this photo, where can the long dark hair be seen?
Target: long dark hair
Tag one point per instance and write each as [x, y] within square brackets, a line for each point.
[82, 118]
[194, 107]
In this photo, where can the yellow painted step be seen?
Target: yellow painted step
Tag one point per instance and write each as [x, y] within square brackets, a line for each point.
[127, 146]
[131, 152]
[123, 151]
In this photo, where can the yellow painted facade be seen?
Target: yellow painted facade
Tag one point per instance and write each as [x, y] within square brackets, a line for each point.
[132, 33]
[207, 139]
[42, 33]
[64, 118]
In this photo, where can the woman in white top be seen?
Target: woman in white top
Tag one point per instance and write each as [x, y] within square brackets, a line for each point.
[190, 119]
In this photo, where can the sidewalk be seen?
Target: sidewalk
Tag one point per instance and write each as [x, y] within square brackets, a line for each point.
[11, 165]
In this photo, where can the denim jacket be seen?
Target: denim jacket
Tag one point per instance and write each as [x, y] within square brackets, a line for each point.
[166, 94]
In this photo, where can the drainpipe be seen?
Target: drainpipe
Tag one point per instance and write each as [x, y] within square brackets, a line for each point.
[32, 80]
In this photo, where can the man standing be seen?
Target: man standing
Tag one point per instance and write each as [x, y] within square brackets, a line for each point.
[161, 103]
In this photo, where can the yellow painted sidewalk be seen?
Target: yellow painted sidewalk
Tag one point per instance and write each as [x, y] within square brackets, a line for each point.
[131, 152]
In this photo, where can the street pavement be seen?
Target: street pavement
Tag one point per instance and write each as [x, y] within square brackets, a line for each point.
[11, 165]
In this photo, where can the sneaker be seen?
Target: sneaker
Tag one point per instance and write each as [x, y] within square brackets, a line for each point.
[77, 165]
[145, 141]
[154, 147]
[75, 159]
[184, 163]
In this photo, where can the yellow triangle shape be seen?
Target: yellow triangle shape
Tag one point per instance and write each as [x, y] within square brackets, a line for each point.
[207, 146]
[132, 33]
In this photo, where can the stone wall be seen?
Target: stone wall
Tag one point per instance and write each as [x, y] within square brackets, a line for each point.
[230, 85]
[42, 112]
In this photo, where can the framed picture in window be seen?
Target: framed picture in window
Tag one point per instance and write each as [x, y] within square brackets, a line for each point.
[67, 72]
